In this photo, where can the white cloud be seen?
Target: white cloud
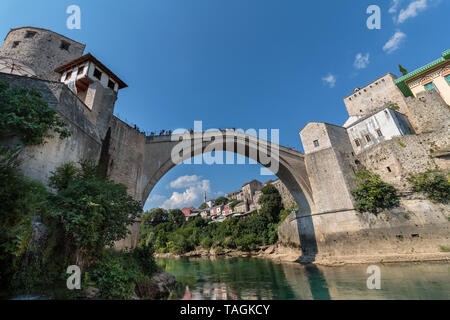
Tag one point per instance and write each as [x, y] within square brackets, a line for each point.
[412, 10]
[156, 198]
[329, 80]
[193, 194]
[394, 6]
[184, 181]
[361, 61]
[394, 43]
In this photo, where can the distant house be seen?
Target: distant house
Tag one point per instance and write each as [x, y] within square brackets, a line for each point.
[210, 203]
[188, 211]
[227, 210]
[205, 213]
[216, 211]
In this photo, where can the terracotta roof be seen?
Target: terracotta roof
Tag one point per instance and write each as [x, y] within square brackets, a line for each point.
[90, 57]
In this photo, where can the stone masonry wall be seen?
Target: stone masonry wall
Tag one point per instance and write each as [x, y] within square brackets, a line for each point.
[429, 112]
[42, 53]
[84, 143]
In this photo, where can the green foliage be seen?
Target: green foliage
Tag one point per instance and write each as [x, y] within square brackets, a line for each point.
[95, 212]
[283, 214]
[155, 216]
[176, 216]
[221, 201]
[257, 229]
[63, 175]
[202, 206]
[116, 275]
[24, 113]
[433, 183]
[372, 194]
[394, 106]
[270, 202]
[403, 71]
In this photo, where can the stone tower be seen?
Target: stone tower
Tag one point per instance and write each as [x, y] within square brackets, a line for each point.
[41, 50]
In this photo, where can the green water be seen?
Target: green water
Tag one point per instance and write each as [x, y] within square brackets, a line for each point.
[249, 279]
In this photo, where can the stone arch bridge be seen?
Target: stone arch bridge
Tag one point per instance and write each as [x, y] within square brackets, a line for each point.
[162, 153]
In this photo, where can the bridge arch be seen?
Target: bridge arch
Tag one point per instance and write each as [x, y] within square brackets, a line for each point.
[162, 153]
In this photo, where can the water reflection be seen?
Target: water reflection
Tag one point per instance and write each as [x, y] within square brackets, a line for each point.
[250, 279]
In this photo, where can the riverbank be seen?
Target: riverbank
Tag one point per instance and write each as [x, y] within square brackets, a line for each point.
[280, 253]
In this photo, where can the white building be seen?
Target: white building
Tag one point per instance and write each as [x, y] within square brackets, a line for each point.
[81, 75]
[378, 127]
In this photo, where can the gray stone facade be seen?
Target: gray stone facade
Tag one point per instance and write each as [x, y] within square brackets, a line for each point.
[42, 52]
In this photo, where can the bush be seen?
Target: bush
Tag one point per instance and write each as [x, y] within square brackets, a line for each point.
[145, 259]
[221, 201]
[434, 184]
[372, 194]
[116, 275]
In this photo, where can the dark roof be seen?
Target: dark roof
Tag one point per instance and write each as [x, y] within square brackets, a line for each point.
[90, 57]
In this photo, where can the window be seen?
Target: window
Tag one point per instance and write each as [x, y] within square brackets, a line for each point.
[379, 133]
[388, 169]
[358, 143]
[367, 138]
[30, 34]
[64, 45]
[15, 44]
[316, 143]
[111, 84]
[80, 70]
[97, 74]
[447, 77]
[430, 87]
[68, 75]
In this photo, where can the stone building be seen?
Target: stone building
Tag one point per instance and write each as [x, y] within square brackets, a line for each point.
[41, 50]
[47, 57]
[249, 189]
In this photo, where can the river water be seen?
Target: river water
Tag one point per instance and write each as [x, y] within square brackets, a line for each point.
[250, 278]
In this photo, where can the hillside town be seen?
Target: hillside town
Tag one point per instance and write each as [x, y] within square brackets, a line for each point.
[239, 203]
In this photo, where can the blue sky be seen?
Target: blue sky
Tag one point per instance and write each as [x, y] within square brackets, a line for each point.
[240, 63]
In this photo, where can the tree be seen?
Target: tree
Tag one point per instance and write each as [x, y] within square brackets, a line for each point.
[402, 70]
[25, 114]
[270, 202]
[372, 194]
[202, 206]
[221, 201]
[155, 216]
[94, 212]
[176, 216]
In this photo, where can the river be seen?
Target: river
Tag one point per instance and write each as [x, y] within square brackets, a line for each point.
[250, 278]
